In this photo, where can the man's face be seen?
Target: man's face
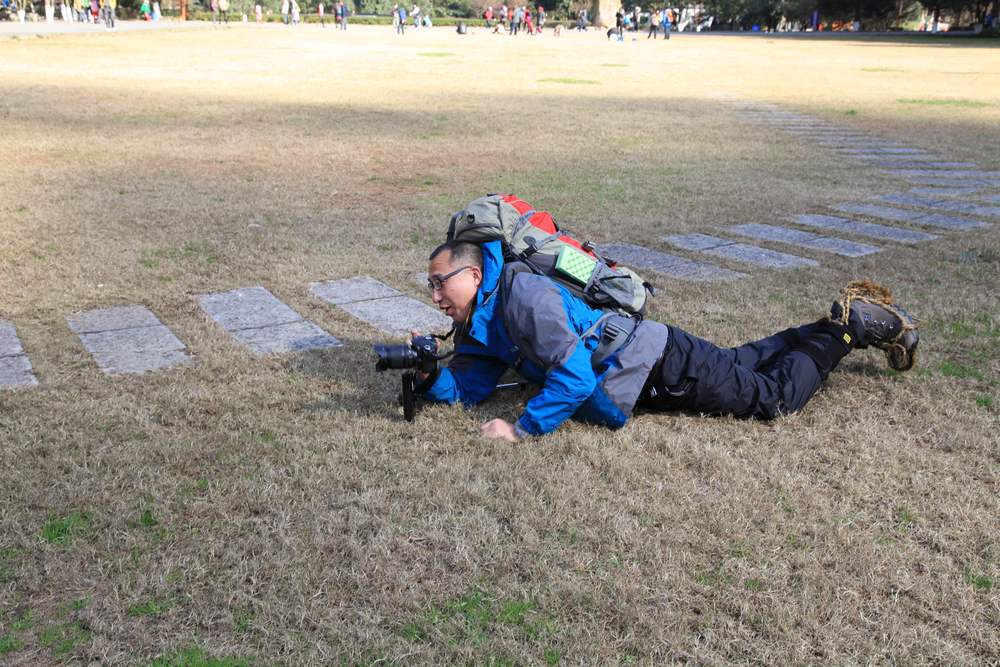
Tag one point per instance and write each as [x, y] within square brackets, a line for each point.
[457, 293]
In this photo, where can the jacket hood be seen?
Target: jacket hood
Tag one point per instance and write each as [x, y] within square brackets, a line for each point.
[492, 269]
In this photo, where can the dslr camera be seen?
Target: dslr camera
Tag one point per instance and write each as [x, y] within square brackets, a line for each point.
[420, 354]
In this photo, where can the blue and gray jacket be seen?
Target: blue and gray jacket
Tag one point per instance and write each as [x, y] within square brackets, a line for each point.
[533, 324]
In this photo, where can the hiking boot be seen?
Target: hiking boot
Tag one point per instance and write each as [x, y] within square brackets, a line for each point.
[868, 311]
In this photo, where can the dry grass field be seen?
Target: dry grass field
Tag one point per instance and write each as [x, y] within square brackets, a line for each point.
[278, 510]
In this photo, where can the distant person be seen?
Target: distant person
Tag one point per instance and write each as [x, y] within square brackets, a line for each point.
[488, 17]
[541, 17]
[504, 15]
[108, 14]
[654, 23]
[515, 22]
[258, 13]
[65, 11]
[666, 22]
[321, 13]
[224, 10]
[285, 8]
[157, 12]
[144, 10]
[581, 20]
[415, 15]
[50, 11]
[636, 17]
[529, 26]
[296, 12]
[215, 11]
[341, 14]
[81, 10]
[619, 25]
[401, 26]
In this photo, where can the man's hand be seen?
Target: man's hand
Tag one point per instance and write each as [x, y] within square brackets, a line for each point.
[413, 334]
[498, 428]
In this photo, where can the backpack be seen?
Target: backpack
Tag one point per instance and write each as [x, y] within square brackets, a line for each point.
[534, 238]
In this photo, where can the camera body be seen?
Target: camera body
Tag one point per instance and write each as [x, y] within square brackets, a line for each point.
[420, 354]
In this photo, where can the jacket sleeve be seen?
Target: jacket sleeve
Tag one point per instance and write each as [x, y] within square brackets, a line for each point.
[470, 377]
[536, 311]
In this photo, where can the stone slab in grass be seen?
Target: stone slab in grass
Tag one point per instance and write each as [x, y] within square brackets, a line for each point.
[125, 362]
[288, 337]
[751, 254]
[399, 315]
[696, 242]
[868, 229]
[128, 339]
[889, 150]
[666, 264]
[110, 319]
[946, 192]
[246, 308]
[931, 166]
[978, 183]
[15, 367]
[142, 339]
[946, 173]
[971, 208]
[883, 212]
[15, 372]
[349, 290]
[10, 344]
[803, 239]
[952, 222]
[263, 323]
[906, 199]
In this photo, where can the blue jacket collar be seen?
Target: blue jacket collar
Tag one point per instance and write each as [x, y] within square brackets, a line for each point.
[487, 296]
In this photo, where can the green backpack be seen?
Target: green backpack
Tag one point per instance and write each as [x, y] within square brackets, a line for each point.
[534, 238]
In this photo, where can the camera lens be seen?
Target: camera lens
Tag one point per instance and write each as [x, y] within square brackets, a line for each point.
[395, 357]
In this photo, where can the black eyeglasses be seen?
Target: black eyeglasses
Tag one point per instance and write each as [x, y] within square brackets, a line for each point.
[436, 283]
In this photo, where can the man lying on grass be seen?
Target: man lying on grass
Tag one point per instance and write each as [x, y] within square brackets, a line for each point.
[508, 317]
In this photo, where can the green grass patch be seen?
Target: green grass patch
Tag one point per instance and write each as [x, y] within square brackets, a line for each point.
[435, 54]
[942, 102]
[62, 639]
[905, 520]
[961, 330]
[9, 643]
[984, 401]
[851, 112]
[242, 620]
[153, 607]
[753, 584]
[8, 561]
[713, 577]
[955, 370]
[63, 530]
[478, 616]
[147, 519]
[979, 581]
[195, 656]
[23, 622]
[569, 81]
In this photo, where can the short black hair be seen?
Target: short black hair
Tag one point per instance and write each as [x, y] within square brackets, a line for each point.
[461, 251]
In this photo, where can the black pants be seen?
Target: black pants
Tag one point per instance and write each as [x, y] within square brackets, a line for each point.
[763, 379]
